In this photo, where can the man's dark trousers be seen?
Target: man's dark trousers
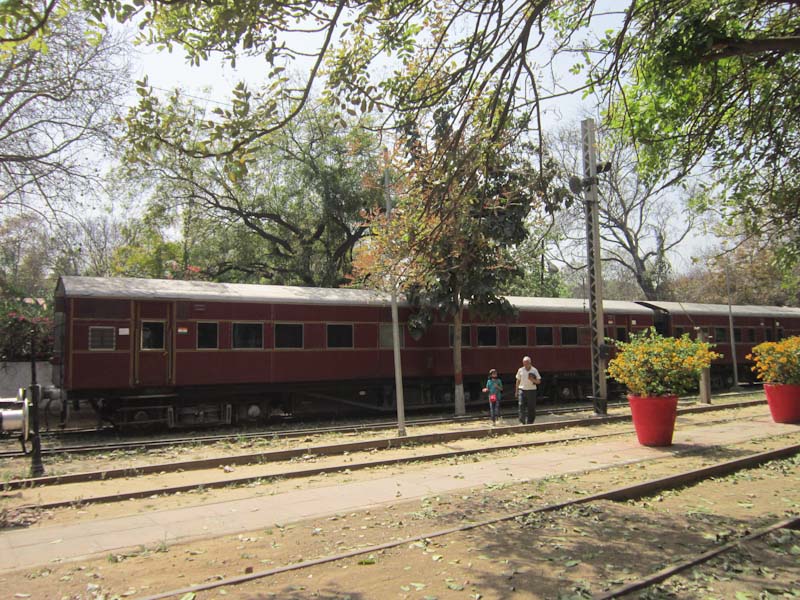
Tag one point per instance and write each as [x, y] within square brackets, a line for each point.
[527, 406]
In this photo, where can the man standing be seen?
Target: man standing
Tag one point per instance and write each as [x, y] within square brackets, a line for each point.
[525, 390]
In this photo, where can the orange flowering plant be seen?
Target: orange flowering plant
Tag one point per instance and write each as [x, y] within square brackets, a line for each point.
[778, 362]
[653, 365]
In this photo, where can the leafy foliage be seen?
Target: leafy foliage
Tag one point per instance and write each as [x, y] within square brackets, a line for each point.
[58, 99]
[778, 362]
[653, 365]
[715, 84]
[25, 324]
[462, 204]
[287, 213]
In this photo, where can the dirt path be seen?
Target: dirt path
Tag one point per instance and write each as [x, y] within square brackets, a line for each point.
[270, 474]
[567, 554]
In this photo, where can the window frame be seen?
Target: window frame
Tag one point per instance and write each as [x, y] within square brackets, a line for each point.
[478, 336]
[328, 336]
[163, 347]
[524, 329]
[197, 335]
[464, 329]
[574, 328]
[233, 335]
[552, 337]
[381, 328]
[289, 324]
[113, 338]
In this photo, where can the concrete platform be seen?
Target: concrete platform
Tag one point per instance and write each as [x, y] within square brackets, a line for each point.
[41, 545]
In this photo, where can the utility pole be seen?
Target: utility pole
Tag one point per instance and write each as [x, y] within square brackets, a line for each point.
[596, 317]
[398, 367]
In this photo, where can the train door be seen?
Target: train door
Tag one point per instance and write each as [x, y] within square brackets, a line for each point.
[153, 344]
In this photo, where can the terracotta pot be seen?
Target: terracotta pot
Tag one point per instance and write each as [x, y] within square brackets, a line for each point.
[784, 402]
[654, 418]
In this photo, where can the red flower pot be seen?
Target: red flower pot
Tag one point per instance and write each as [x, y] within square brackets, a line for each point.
[784, 402]
[654, 419]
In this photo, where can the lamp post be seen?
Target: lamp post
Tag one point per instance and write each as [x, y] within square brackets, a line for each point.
[398, 367]
[37, 468]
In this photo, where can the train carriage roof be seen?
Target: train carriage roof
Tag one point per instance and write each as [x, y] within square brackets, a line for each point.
[721, 310]
[163, 289]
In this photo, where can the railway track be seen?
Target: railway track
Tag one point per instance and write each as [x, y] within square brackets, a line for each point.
[279, 456]
[631, 492]
[271, 433]
[361, 427]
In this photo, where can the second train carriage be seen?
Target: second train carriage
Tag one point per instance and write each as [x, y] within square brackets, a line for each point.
[188, 353]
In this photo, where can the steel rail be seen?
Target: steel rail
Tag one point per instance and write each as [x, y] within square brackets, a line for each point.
[311, 472]
[667, 572]
[637, 490]
[354, 428]
[270, 456]
[267, 434]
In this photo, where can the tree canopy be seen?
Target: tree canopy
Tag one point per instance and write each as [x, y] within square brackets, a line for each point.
[291, 216]
[696, 83]
[58, 99]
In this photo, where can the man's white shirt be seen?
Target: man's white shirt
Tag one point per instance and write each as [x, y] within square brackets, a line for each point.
[524, 381]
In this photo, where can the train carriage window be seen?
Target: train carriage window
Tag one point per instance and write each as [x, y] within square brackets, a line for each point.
[768, 334]
[288, 335]
[152, 335]
[780, 335]
[248, 335]
[466, 335]
[678, 331]
[207, 336]
[751, 335]
[340, 336]
[569, 336]
[720, 334]
[385, 334]
[737, 334]
[101, 338]
[517, 336]
[544, 336]
[487, 335]
[622, 334]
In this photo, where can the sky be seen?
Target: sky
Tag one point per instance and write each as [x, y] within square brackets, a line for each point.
[214, 79]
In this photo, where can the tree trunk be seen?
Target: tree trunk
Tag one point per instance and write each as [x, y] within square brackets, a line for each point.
[458, 372]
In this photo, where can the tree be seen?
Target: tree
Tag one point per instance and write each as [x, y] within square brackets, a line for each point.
[640, 222]
[291, 216]
[693, 80]
[26, 256]
[716, 86]
[474, 49]
[537, 275]
[749, 270]
[459, 211]
[58, 99]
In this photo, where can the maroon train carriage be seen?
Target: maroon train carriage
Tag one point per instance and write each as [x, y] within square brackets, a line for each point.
[188, 353]
[751, 326]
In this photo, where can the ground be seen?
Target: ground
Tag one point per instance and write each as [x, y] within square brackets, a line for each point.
[570, 553]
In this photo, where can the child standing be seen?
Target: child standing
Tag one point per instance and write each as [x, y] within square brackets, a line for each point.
[494, 386]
